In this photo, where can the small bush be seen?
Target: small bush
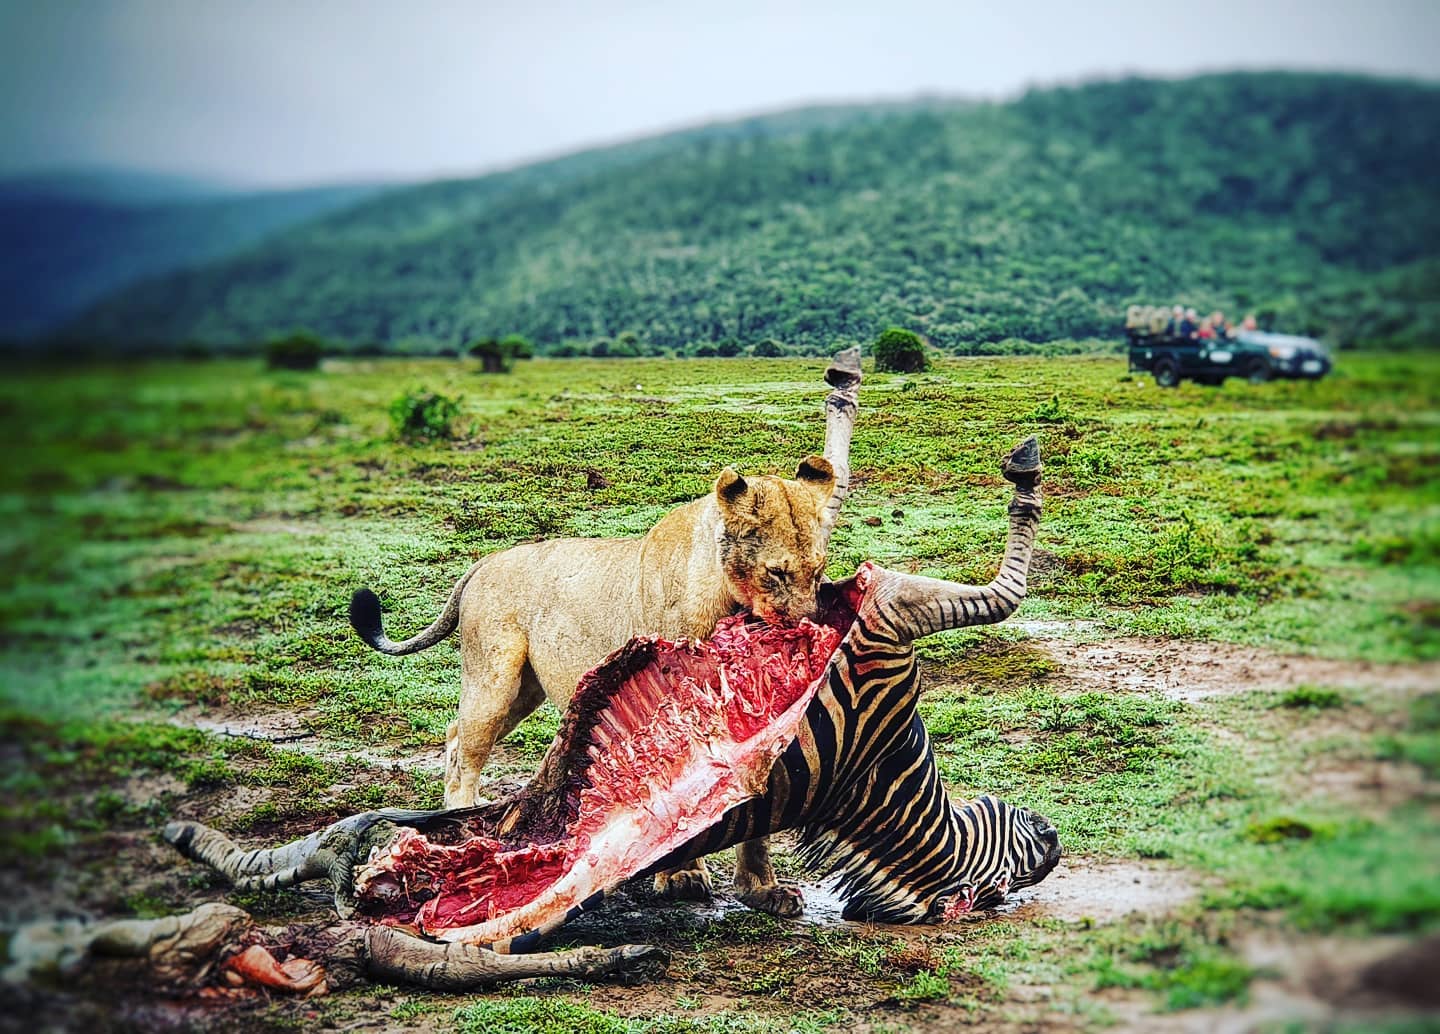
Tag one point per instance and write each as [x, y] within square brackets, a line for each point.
[924, 986]
[1050, 411]
[900, 351]
[424, 416]
[499, 356]
[298, 351]
[767, 349]
[1310, 698]
[1279, 830]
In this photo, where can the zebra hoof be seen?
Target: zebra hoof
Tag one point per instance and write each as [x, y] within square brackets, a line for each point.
[1022, 466]
[844, 371]
[777, 900]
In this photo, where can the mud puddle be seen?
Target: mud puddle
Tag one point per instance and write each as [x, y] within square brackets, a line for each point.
[1088, 888]
[1192, 671]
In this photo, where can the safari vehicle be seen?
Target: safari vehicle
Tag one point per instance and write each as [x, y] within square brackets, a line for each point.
[1255, 355]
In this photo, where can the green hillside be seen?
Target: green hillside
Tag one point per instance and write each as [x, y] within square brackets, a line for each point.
[1312, 198]
[74, 238]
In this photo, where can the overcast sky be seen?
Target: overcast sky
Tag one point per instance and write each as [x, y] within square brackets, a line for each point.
[304, 91]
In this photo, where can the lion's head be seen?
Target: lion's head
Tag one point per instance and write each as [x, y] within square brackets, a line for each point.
[772, 548]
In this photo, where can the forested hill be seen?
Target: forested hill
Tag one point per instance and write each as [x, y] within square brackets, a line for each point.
[71, 239]
[1312, 197]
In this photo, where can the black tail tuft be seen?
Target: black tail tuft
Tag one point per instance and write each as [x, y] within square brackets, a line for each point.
[365, 617]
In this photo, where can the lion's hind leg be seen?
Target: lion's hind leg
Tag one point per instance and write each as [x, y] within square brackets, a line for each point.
[756, 885]
[689, 882]
[493, 700]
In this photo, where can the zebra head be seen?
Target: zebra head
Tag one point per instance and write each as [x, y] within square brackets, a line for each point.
[1006, 848]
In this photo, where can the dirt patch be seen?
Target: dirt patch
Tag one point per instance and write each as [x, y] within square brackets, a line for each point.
[1090, 888]
[1318, 981]
[1365, 784]
[291, 730]
[1192, 671]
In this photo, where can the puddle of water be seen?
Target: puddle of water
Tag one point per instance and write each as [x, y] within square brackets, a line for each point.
[1082, 888]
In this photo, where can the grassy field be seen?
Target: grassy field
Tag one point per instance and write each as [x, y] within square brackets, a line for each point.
[1222, 689]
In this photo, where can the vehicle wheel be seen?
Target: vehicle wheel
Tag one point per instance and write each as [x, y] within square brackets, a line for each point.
[1167, 373]
[1258, 372]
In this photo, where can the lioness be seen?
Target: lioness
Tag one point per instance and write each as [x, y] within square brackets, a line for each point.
[534, 618]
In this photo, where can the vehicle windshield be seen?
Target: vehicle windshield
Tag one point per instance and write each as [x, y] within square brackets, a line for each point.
[1267, 340]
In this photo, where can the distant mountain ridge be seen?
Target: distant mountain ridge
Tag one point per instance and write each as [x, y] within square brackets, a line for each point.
[1310, 197]
[71, 237]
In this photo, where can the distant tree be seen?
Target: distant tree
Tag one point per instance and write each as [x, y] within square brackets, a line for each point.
[900, 351]
[600, 348]
[767, 349]
[706, 351]
[300, 350]
[566, 350]
[518, 346]
[728, 348]
[499, 356]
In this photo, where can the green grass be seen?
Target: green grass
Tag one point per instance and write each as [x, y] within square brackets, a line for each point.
[184, 538]
[532, 1015]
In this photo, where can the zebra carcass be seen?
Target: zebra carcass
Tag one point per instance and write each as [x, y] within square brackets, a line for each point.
[669, 751]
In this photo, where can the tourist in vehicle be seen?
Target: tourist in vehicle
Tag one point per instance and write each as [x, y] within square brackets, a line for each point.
[1249, 322]
[1177, 316]
[1221, 328]
[1190, 324]
[1207, 329]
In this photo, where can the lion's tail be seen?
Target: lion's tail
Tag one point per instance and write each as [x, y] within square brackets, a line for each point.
[365, 619]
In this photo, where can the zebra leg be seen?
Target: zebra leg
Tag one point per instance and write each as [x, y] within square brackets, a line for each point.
[913, 606]
[328, 854]
[841, 407]
[395, 956]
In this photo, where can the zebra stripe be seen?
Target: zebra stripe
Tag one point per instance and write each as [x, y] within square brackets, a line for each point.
[860, 783]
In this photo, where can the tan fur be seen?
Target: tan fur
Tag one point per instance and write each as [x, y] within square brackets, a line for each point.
[535, 618]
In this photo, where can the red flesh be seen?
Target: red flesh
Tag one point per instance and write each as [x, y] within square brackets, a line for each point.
[659, 742]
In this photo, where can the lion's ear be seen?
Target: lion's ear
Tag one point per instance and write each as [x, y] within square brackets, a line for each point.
[729, 487]
[816, 472]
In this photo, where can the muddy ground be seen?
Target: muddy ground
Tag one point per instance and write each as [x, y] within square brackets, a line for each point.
[727, 961]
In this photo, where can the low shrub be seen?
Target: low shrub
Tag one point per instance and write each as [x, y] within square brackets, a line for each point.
[298, 351]
[424, 416]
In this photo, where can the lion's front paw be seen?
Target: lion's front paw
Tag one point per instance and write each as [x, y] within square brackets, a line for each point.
[776, 899]
[684, 885]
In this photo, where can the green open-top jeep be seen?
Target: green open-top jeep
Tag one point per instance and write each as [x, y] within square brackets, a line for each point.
[1255, 355]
